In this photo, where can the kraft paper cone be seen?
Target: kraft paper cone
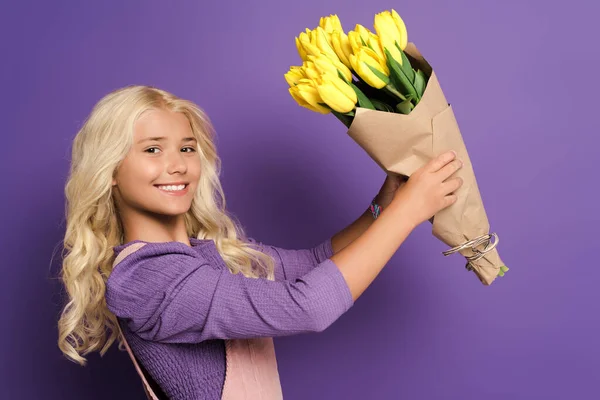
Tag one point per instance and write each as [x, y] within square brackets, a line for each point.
[401, 144]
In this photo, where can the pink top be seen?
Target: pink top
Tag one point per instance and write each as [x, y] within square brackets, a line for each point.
[251, 371]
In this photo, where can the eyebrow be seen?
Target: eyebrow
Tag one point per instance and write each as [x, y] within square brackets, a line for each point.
[159, 138]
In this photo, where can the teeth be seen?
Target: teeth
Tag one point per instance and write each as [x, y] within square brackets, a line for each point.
[172, 188]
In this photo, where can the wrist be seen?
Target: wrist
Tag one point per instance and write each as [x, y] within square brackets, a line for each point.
[375, 208]
[403, 212]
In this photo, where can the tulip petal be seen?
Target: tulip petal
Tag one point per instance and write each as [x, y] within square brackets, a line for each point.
[403, 35]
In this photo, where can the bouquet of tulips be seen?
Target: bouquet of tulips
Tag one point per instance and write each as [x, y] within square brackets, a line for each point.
[389, 98]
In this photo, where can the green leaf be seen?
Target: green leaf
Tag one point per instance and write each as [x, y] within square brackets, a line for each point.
[503, 269]
[342, 77]
[420, 83]
[392, 90]
[344, 118]
[363, 101]
[406, 67]
[379, 74]
[382, 106]
[406, 106]
[398, 77]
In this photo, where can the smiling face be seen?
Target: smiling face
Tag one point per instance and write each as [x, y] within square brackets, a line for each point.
[147, 184]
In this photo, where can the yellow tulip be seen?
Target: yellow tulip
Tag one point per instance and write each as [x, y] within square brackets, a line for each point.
[375, 45]
[391, 30]
[310, 70]
[294, 75]
[363, 32]
[401, 28]
[300, 49]
[364, 57]
[296, 96]
[325, 64]
[355, 42]
[323, 42]
[336, 37]
[305, 93]
[331, 23]
[336, 93]
[314, 43]
[305, 45]
[341, 46]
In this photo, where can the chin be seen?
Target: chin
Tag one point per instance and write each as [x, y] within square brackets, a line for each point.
[169, 211]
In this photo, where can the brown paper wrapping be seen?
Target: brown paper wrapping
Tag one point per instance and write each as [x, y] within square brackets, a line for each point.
[401, 144]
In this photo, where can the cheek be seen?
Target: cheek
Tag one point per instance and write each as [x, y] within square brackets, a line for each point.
[145, 170]
[138, 172]
[195, 169]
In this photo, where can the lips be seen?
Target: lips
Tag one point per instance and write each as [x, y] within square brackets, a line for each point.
[172, 184]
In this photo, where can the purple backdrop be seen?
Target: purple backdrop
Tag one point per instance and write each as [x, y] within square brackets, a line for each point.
[521, 78]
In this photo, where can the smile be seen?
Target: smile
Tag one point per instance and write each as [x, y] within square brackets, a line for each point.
[176, 190]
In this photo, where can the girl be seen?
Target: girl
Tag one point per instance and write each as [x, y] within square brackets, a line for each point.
[153, 259]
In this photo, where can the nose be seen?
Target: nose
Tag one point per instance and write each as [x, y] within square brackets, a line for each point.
[176, 163]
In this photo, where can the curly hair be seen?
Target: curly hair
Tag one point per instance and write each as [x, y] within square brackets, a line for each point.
[93, 226]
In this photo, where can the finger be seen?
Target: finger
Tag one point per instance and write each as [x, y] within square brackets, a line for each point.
[450, 199]
[440, 161]
[449, 169]
[452, 185]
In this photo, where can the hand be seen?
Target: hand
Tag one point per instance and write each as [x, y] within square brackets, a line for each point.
[388, 190]
[428, 190]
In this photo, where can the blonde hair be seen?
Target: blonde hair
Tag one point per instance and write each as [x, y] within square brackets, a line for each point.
[93, 227]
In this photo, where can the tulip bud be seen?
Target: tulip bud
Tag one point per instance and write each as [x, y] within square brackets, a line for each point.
[300, 49]
[363, 32]
[375, 45]
[323, 41]
[336, 93]
[306, 95]
[294, 75]
[306, 45]
[331, 23]
[341, 46]
[325, 64]
[315, 43]
[401, 28]
[310, 70]
[355, 42]
[361, 61]
[391, 30]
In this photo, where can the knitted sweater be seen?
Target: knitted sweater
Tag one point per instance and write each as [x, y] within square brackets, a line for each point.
[177, 304]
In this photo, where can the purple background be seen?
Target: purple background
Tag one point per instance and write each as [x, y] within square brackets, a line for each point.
[521, 76]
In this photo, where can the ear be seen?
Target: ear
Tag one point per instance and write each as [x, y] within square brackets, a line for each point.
[114, 182]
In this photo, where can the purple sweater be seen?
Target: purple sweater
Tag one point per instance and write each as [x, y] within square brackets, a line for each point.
[176, 304]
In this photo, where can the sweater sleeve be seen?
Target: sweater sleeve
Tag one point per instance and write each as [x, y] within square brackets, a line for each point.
[168, 292]
[295, 263]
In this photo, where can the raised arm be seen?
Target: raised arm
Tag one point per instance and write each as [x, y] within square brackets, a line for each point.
[295, 263]
[168, 292]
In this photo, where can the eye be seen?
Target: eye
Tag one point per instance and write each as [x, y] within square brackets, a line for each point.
[192, 149]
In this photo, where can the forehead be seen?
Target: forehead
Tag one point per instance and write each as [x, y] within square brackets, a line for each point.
[161, 123]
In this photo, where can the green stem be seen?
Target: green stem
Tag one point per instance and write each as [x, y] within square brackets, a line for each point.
[345, 119]
[393, 91]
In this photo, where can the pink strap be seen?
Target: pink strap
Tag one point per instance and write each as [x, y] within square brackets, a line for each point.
[149, 392]
[251, 372]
